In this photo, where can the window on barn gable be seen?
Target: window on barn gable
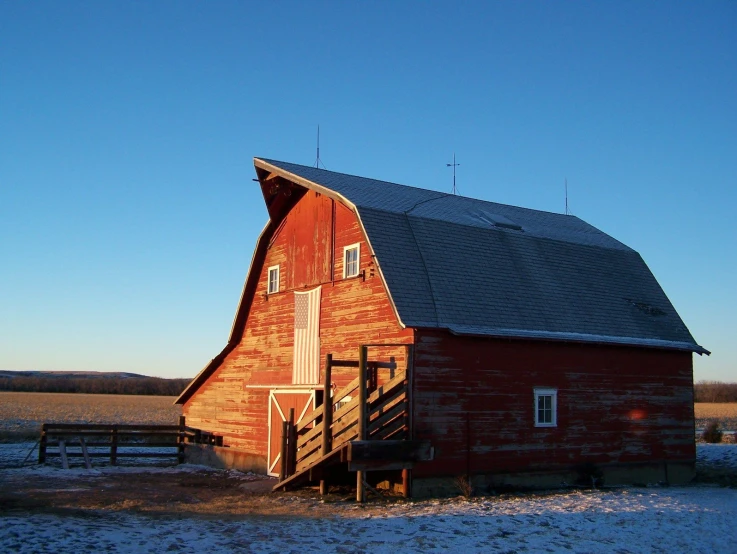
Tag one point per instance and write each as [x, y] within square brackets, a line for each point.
[273, 285]
[351, 257]
[546, 407]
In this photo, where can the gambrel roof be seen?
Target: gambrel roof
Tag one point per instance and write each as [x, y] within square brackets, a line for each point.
[480, 268]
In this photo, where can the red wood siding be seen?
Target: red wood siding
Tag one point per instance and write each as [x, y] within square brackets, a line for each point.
[353, 311]
[473, 398]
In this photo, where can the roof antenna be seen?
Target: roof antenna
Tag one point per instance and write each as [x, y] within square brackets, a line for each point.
[567, 212]
[318, 161]
[454, 165]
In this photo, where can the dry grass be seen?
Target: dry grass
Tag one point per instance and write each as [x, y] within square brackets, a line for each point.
[725, 414]
[22, 413]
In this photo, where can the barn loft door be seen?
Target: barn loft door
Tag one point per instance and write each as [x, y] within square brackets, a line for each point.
[280, 401]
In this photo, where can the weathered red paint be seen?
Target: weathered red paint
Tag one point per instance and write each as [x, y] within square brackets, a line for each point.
[474, 400]
[353, 311]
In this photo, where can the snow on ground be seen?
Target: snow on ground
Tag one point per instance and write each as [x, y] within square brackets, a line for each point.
[717, 455]
[624, 521]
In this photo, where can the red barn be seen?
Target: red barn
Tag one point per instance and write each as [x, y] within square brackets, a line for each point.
[508, 346]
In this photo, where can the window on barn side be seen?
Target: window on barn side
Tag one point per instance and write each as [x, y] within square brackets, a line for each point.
[273, 286]
[342, 402]
[546, 407]
[351, 257]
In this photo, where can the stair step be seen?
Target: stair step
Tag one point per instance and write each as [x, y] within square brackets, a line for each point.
[334, 456]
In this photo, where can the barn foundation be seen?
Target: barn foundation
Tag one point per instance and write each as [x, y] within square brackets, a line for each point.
[633, 474]
[220, 457]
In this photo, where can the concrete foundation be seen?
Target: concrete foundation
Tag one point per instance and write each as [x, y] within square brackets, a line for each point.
[671, 473]
[222, 457]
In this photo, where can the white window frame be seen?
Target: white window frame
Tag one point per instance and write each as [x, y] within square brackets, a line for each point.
[269, 290]
[342, 402]
[553, 393]
[357, 248]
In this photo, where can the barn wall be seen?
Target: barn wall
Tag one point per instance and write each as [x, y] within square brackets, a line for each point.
[473, 399]
[353, 311]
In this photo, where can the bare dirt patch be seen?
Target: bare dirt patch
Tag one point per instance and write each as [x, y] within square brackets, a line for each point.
[199, 493]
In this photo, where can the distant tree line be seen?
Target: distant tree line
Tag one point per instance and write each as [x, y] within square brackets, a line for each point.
[95, 385]
[715, 391]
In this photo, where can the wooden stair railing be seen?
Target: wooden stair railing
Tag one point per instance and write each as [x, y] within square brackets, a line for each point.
[387, 415]
[383, 415]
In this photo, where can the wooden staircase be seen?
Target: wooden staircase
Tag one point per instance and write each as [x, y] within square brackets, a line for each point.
[368, 433]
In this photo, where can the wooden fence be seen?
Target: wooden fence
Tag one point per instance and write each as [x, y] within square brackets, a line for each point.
[68, 440]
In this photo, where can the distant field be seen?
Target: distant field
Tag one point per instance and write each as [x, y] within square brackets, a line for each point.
[22, 413]
[725, 414]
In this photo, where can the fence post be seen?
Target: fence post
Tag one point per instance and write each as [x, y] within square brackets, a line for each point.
[327, 416]
[114, 446]
[85, 453]
[362, 413]
[42, 445]
[63, 454]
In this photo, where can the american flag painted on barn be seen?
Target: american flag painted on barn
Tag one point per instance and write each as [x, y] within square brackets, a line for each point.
[306, 369]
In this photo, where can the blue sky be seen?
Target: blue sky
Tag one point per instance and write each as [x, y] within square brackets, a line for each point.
[128, 214]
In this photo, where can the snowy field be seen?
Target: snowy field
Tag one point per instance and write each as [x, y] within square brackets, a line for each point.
[629, 520]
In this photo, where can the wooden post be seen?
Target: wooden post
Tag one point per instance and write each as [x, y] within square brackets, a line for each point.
[362, 416]
[63, 454]
[86, 454]
[42, 445]
[409, 373]
[292, 443]
[362, 394]
[180, 439]
[372, 376]
[114, 446]
[283, 455]
[468, 449]
[327, 416]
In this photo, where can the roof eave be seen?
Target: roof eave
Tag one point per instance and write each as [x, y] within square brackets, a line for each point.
[261, 164]
[579, 338]
[203, 375]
